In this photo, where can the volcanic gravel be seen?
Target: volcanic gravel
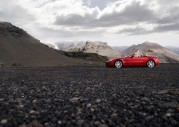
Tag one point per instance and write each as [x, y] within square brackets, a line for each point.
[89, 96]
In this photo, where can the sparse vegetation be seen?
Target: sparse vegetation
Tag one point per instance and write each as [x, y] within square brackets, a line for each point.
[150, 50]
[2, 65]
[16, 65]
[85, 56]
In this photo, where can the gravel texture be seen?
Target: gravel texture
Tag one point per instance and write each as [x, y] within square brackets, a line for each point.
[90, 96]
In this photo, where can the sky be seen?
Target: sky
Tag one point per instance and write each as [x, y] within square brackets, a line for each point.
[117, 22]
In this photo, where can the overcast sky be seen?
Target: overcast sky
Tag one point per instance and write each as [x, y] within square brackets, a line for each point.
[118, 22]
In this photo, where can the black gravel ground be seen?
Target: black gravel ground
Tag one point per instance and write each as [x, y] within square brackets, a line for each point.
[89, 96]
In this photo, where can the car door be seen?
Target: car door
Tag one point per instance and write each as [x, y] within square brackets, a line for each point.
[131, 61]
[135, 61]
[143, 61]
[139, 61]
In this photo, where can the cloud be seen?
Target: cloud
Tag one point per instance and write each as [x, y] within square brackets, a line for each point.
[123, 13]
[171, 16]
[132, 13]
[101, 4]
[14, 13]
[166, 28]
[157, 29]
[85, 18]
[53, 35]
[134, 31]
[88, 15]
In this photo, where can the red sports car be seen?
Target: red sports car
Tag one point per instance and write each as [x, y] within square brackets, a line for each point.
[131, 60]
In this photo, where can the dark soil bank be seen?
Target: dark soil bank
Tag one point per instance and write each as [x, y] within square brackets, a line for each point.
[89, 96]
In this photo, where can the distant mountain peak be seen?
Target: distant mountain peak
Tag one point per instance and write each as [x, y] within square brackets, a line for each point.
[165, 55]
[97, 42]
[101, 48]
[150, 43]
[147, 42]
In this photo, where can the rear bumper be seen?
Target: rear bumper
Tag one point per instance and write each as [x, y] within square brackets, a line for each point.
[156, 61]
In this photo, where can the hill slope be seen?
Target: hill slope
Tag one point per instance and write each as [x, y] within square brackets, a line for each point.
[17, 46]
[165, 55]
[120, 48]
[174, 49]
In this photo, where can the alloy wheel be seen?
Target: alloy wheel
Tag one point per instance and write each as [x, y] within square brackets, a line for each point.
[118, 64]
[150, 64]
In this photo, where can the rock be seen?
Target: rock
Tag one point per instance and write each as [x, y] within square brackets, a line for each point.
[32, 124]
[1, 99]
[174, 122]
[173, 92]
[79, 110]
[20, 106]
[32, 112]
[98, 100]
[4, 121]
[22, 82]
[88, 105]
[168, 104]
[97, 123]
[59, 122]
[80, 122]
[92, 109]
[145, 99]
[48, 100]
[168, 114]
[74, 99]
[114, 115]
[149, 117]
[34, 101]
[103, 125]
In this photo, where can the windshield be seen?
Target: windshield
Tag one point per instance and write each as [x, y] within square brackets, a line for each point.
[133, 55]
[130, 55]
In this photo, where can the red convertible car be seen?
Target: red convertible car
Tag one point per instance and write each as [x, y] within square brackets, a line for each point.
[131, 60]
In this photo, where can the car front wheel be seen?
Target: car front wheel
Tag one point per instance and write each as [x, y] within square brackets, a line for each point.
[150, 64]
[118, 64]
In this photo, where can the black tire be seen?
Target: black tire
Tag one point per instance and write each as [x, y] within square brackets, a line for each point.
[150, 64]
[118, 64]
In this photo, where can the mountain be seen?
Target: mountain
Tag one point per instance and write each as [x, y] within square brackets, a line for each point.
[101, 48]
[120, 48]
[17, 46]
[174, 49]
[51, 45]
[165, 55]
[67, 46]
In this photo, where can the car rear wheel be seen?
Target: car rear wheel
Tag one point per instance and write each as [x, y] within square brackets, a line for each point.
[150, 64]
[118, 64]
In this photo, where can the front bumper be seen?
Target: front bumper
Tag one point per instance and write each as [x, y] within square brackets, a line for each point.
[109, 64]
